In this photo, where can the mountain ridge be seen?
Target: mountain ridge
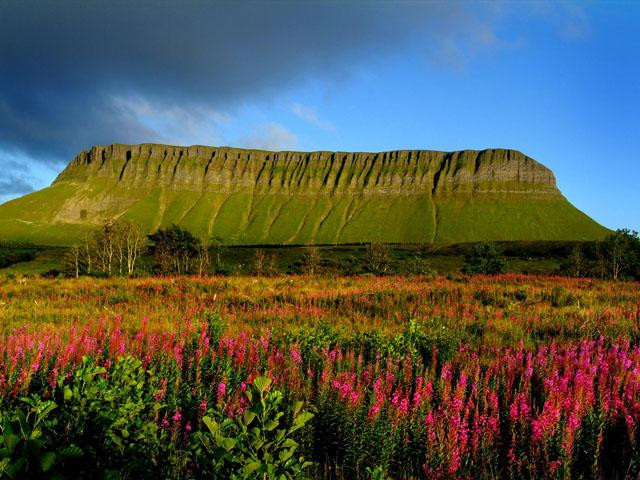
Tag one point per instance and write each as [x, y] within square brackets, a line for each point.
[425, 162]
[248, 196]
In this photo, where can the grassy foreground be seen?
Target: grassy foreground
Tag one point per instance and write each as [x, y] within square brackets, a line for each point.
[407, 377]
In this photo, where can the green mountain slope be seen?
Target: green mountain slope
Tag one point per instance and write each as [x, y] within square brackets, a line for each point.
[261, 197]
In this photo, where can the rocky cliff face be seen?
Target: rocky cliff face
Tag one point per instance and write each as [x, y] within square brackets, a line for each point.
[260, 197]
[223, 169]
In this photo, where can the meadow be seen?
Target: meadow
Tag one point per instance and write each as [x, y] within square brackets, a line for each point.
[336, 377]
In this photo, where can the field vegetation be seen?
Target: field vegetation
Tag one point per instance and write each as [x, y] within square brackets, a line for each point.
[359, 362]
[307, 376]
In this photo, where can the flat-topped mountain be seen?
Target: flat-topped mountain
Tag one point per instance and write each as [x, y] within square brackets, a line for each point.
[261, 197]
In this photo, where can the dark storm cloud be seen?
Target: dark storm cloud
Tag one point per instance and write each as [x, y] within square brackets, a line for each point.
[62, 63]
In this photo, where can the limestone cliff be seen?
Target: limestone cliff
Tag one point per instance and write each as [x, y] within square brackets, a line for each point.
[211, 169]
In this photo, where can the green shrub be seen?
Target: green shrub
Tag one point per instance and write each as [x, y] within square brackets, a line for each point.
[257, 444]
[485, 259]
[418, 265]
[487, 298]
[27, 449]
[116, 417]
[561, 297]
[215, 327]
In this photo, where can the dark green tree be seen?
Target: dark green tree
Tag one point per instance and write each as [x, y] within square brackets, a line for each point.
[575, 265]
[174, 249]
[622, 250]
[485, 259]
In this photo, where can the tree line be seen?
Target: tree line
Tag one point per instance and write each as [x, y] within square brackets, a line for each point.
[116, 247]
[112, 248]
[617, 257]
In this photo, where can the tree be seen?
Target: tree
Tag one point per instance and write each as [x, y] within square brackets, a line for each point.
[272, 265]
[173, 249]
[74, 260]
[378, 260]
[204, 260]
[88, 249]
[105, 246]
[576, 265]
[133, 244]
[112, 244]
[259, 261]
[419, 265]
[485, 259]
[311, 260]
[600, 263]
[218, 248]
[622, 250]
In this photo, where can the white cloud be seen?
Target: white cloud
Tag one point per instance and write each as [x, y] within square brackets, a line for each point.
[309, 115]
[575, 23]
[272, 136]
[467, 29]
[171, 123]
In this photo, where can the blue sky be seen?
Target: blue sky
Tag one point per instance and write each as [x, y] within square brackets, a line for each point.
[559, 81]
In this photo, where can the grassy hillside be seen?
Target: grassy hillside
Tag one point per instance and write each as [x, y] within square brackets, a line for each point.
[248, 197]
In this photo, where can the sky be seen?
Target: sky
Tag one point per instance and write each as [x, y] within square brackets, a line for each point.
[559, 81]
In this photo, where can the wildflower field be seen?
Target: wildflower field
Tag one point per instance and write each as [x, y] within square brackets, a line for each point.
[366, 377]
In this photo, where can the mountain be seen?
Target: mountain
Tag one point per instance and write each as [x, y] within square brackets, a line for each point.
[261, 197]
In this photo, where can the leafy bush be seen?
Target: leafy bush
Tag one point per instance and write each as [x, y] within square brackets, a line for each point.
[418, 265]
[561, 297]
[377, 259]
[258, 443]
[115, 416]
[8, 258]
[486, 298]
[486, 259]
[27, 449]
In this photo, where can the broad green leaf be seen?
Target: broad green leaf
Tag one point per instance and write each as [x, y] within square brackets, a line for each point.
[301, 420]
[72, 451]
[251, 467]
[211, 424]
[22, 422]
[46, 407]
[11, 441]
[286, 454]
[47, 459]
[6, 426]
[262, 383]
[289, 443]
[226, 443]
[248, 416]
[297, 406]
[272, 424]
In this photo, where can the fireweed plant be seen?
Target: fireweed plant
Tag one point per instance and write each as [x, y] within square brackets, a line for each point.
[309, 377]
